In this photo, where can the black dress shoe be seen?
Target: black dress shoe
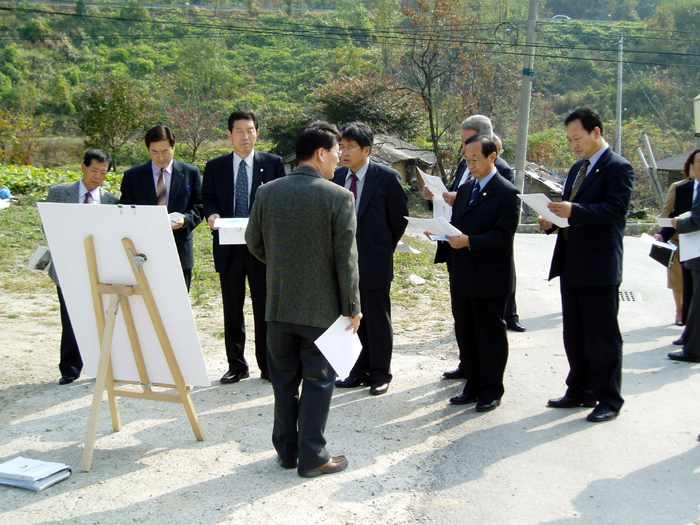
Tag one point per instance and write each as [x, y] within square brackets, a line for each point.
[570, 402]
[234, 377]
[67, 380]
[679, 342]
[265, 376]
[603, 412]
[350, 382]
[379, 388]
[464, 399]
[335, 464]
[457, 373]
[680, 355]
[487, 406]
[516, 327]
[287, 463]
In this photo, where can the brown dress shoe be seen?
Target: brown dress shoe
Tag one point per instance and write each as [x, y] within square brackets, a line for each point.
[335, 464]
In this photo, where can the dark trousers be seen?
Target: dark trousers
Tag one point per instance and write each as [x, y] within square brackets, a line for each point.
[593, 342]
[300, 418]
[71, 363]
[512, 316]
[242, 264]
[688, 286]
[376, 336]
[187, 274]
[483, 344]
[692, 329]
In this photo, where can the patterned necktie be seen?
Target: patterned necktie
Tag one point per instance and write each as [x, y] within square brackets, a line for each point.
[579, 180]
[241, 192]
[475, 192]
[161, 192]
[353, 185]
[88, 198]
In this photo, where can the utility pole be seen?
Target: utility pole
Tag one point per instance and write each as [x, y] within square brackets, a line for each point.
[618, 129]
[525, 97]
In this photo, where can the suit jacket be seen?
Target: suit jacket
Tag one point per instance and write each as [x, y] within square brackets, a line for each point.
[690, 224]
[683, 201]
[486, 268]
[69, 193]
[218, 191]
[303, 228]
[501, 165]
[185, 196]
[592, 256]
[380, 223]
[443, 250]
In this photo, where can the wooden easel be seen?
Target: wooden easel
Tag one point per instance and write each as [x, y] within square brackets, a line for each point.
[119, 295]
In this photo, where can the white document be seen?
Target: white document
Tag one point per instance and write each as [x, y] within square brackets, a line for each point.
[41, 260]
[649, 239]
[539, 203]
[438, 226]
[665, 222]
[175, 217]
[689, 245]
[340, 346]
[402, 247]
[434, 183]
[441, 209]
[231, 231]
[26, 469]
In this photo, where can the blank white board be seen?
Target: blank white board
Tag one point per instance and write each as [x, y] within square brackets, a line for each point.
[66, 227]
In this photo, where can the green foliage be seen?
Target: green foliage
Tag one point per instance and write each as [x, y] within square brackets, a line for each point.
[24, 180]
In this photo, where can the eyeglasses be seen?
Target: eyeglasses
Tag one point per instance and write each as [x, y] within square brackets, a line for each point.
[336, 151]
[348, 150]
[474, 162]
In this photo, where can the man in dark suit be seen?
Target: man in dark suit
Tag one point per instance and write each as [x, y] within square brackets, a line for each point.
[168, 182]
[88, 190]
[381, 205]
[303, 228]
[474, 125]
[691, 334]
[228, 189]
[483, 273]
[588, 261]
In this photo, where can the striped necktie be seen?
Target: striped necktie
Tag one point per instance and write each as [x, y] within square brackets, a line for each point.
[579, 180]
[161, 192]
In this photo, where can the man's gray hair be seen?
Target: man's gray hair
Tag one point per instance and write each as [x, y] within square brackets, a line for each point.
[479, 123]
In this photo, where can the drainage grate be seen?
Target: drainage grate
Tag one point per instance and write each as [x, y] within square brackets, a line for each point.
[628, 295]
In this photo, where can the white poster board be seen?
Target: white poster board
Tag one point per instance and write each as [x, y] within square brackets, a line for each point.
[66, 227]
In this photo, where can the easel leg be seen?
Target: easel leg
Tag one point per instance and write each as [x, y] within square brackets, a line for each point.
[111, 318]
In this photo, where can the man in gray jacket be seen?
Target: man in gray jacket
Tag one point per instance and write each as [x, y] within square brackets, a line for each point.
[303, 228]
[88, 190]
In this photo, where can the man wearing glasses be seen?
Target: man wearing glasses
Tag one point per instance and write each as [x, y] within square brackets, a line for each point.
[483, 273]
[381, 205]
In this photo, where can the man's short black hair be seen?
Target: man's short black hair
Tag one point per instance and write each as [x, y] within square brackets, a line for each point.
[317, 134]
[359, 132]
[589, 119]
[159, 134]
[99, 155]
[488, 146]
[242, 115]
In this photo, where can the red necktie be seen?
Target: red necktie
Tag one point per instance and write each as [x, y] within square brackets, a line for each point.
[353, 185]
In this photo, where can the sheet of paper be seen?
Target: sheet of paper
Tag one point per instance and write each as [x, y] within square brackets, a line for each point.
[665, 222]
[441, 209]
[689, 245]
[439, 225]
[231, 231]
[402, 247]
[539, 203]
[649, 239]
[340, 346]
[433, 183]
[175, 217]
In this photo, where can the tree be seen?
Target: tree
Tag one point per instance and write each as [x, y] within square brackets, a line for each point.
[193, 119]
[19, 136]
[376, 100]
[433, 31]
[80, 8]
[112, 113]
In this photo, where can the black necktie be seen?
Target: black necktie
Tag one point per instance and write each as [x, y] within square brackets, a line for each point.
[475, 192]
